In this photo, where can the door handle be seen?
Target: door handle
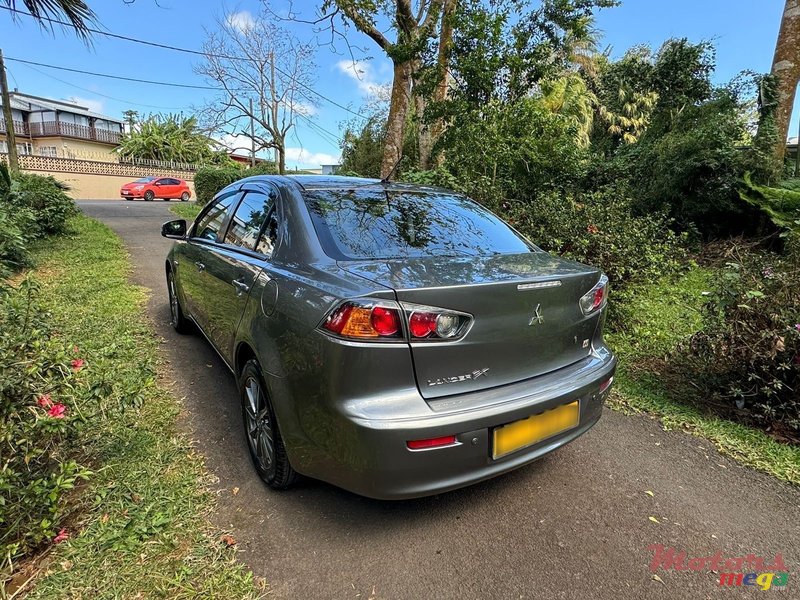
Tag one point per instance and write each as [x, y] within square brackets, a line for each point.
[241, 286]
[200, 266]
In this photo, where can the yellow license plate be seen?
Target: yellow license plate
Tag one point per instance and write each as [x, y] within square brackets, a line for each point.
[520, 434]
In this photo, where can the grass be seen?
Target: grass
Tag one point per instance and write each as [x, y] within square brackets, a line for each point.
[658, 316]
[187, 211]
[141, 528]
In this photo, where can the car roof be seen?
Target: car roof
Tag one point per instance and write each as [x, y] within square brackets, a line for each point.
[340, 182]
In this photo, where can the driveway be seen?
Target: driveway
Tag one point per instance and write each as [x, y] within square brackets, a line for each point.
[576, 524]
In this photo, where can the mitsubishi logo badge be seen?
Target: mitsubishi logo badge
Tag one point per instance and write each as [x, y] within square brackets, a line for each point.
[537, 316]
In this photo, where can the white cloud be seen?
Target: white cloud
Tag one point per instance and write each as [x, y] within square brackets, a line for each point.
[241, 21]
[304, 158]
[363, 74]
[92, 104]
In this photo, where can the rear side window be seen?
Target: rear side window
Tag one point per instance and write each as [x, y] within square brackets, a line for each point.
[211, 221]
[370, 224]
[248, 221]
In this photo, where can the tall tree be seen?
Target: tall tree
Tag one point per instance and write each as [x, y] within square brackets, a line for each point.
[264, 73]
[414, 28]
[786, 70]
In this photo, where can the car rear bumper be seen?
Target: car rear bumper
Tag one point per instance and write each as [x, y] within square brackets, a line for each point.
[131, 194]
[369, 455]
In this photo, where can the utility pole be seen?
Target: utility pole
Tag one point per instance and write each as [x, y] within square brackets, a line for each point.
[11, 139]
[252, 138]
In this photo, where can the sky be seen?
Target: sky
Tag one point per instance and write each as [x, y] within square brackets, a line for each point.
[744, 32]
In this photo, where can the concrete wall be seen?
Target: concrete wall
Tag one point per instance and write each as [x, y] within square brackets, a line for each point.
[95, 180]
[95, 187]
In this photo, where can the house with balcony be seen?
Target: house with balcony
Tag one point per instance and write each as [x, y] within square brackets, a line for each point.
[59, 128]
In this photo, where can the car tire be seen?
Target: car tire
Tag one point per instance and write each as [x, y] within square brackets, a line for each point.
[178, 320]
[261, 430]
[185, 197]
[149, 195]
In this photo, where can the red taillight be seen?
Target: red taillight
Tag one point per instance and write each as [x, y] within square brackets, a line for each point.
[385, 321]
[595, 298]
[357, 321]
[606, 384]
[381, 320]
[422, 325]
[447, 440]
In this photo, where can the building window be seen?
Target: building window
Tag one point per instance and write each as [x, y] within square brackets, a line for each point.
[47, 151]
[22, 149]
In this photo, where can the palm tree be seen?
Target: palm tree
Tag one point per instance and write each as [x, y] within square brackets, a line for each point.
[77, 12]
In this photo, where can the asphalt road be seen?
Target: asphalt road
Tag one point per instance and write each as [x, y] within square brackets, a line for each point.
[573, 525]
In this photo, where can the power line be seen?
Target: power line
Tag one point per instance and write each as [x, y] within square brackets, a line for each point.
[184, 50]
[96, 93]
[149, 81]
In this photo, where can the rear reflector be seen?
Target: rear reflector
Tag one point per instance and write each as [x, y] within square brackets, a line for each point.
[606, 384]
[447, 440]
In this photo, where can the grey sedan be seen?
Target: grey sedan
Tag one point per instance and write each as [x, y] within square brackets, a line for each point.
[394, 340]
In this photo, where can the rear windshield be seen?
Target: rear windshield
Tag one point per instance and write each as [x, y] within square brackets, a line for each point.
[144, 180]
[368, 224]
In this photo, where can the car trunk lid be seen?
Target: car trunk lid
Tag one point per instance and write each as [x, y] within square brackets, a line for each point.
[527, 317]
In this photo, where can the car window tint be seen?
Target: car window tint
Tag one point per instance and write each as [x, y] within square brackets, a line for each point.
[247, 221]
[210, 222]
[373, 223]
[269, 235]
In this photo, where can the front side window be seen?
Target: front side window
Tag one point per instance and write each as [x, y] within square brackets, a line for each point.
[247, 224]
[210, 222]
[379, 224]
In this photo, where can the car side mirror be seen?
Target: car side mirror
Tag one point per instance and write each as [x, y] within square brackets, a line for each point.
[175, 230]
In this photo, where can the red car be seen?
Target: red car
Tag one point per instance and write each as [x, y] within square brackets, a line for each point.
[150, 188]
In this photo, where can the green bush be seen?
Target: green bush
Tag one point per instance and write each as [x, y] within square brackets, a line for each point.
[14, 253]
[46, 199]
[208, 181]
[601, 229]
[747, 357]
[41, 387]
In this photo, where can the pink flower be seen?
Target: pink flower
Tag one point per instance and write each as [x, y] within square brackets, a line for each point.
[57, 411]
[63, 536]
[45, 401]
[78, 364]
[797, 326]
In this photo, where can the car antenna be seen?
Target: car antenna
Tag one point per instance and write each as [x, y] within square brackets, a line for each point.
[388, 177]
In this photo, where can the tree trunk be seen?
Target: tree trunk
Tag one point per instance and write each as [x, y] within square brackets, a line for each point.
[425, 138]
[280, 150]
[398, 111]
[786, 69]
[443, 61]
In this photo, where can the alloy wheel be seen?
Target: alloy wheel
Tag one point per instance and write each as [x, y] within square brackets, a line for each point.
[258, 424]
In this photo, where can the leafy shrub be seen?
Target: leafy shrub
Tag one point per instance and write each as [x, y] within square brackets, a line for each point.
[601, 229]
[14, 253]
[40, 383]
[208, 181]
[693, 170]
[780, 204]
[747, 358]
[46, 199]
